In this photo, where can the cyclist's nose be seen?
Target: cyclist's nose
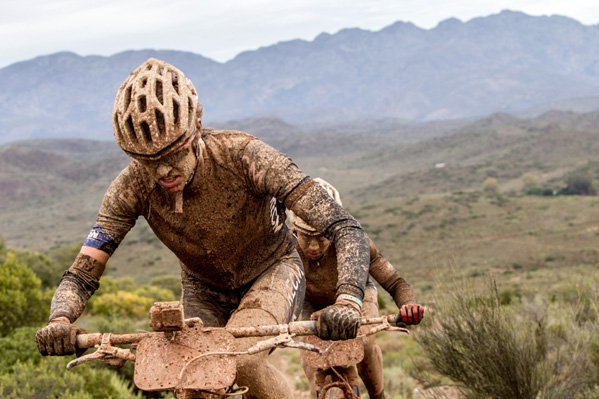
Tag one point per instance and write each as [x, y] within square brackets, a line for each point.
[163, 170]
[313, 245]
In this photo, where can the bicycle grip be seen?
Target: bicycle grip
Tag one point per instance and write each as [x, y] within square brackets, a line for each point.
[92, 340]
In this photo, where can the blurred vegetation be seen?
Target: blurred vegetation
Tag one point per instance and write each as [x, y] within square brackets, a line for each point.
[528, 348]
[119, 306]
[22, 302]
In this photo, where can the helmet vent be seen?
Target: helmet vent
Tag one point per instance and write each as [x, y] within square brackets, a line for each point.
[117, 127]
[175, 82]
[127, 98]
[130, 129]
[161, 71]
[176, 112]
[141, 103]
[144, 83]
[190, 109]
[160, 122]
[145, 128]
[159, 91]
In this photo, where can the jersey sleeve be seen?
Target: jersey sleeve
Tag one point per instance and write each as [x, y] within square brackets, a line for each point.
[386, 275]
[118, 213]
[270, 172]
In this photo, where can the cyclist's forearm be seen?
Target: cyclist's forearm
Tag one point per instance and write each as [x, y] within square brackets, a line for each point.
[351, 245]
[77, 285]
[386, 275]
[402, 292]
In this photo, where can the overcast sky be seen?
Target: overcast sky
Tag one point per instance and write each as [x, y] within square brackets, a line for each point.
[220, 29]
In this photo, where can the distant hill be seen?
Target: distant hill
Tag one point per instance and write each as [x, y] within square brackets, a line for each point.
[500, 146]
[68, 177]
[509, 62]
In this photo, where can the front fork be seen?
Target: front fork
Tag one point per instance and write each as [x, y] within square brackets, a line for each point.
[342, 377]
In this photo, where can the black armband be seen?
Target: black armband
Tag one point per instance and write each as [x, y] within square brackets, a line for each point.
[76, 286]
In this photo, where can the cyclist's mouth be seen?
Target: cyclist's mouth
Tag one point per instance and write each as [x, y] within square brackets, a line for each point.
[170, 182]
[314, 255]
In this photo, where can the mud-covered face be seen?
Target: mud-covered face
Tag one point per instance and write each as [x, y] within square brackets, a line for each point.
[313, 245]
[174, 170]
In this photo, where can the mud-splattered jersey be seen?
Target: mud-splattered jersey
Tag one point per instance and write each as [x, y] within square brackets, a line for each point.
[232, 225]
[322, 275]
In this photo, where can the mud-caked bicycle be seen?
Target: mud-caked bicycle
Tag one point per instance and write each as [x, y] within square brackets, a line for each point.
[200, 362]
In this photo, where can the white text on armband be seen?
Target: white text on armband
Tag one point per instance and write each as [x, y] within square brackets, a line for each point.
[103, 239]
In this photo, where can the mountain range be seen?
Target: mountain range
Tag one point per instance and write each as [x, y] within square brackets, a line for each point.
[509, 62]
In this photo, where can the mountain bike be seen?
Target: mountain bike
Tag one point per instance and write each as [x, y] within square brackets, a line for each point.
[197, 361]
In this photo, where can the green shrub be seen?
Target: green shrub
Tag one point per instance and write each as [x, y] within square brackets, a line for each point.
[540, 191]
[49, 379]
[510, 296]
[580, 183]
[581, 297]
[172, 283]
[22, 302]
[491, 185]
[46, 269]
[381, 301]
[491, 351]
[123, 297]
[530, 181]
[124, 303]
[18, 346]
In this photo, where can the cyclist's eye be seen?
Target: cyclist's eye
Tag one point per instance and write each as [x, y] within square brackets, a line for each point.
[171, 159]
[176, 156]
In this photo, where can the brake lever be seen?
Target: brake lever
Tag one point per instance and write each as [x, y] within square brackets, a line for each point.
[385, 326]
[106, 353]
[303, 346]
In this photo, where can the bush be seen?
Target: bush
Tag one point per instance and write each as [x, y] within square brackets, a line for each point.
[581, 297]
[47, 269]
[546, 192]
[579, 184]
[122, 297]
[530, 180]
[490, 351]
[18, 346]
[172, 283]
[491, 185]
[22, 302]
[123, 303]
[48, 379]
[381, 301]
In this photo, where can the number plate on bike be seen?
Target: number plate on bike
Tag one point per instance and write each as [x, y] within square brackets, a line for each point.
[334, 353]
[184, 360]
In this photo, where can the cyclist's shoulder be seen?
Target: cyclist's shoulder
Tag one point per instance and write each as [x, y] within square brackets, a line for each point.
[225, 139]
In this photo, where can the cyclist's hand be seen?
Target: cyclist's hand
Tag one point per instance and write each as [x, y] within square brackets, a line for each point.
[58, 338]
[339, 321]
[411, 313]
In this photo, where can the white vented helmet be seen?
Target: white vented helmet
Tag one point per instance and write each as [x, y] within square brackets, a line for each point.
[302, 226]
[154, 110]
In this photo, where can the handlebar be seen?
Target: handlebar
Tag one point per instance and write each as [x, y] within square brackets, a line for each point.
[297, 328]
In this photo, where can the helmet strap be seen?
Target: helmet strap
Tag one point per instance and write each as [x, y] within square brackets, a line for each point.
[179, 201]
